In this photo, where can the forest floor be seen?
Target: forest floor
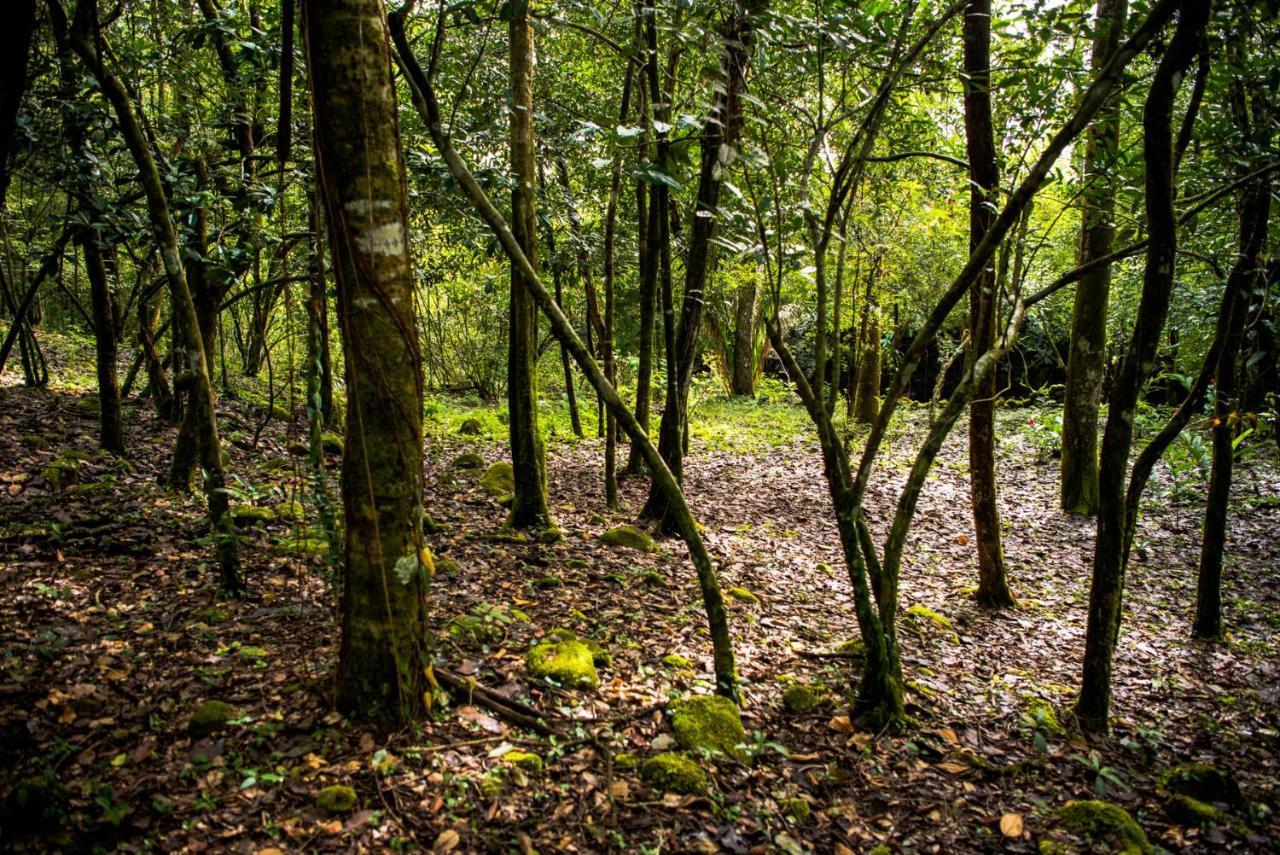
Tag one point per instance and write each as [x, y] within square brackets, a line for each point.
[112, 634]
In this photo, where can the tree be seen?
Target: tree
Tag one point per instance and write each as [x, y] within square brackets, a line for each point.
[528, 459]
[1111, 545]
[89, 44]
[1086, 361]
[984, 303]
[361, 174]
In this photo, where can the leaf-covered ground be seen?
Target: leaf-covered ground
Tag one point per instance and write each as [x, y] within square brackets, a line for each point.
[112, 635]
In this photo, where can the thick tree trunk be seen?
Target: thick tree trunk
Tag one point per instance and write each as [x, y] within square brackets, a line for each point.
[381, 661]
[87, 42]
[105, 336]
[529, 501]
[867, 400]
[742, 376]
[984, 304]
[1111, 544]
[1086, 360]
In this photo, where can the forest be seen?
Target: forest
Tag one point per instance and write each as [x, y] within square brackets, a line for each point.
[744, 426]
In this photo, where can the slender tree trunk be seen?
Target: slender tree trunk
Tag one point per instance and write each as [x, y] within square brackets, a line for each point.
[867, 401]
[87, 42]
[718, 140]
[647, 242]
[742, 376]
[360, 167]
[984, 303]
[529, 501]
[610, 273]
[1247, 274]
[1086, 359]
[1111, 544]
[105, 335]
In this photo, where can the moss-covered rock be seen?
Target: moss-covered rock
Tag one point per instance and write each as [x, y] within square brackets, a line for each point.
[447, 568]
[290, 512]
[798, 810]
[628, 537]
[499, 479]
[525, 760]
[1043, 715]
[550, 535]
[652, 578]
[675, 660]
[331, 443]
[250, 516]
[852, 647]
[209, 718]
[1202, 782]
[924, 613]
[467, 460]
[337, 799]
[675, 773]
[568, 662]
[799, 698]
[710, 723]
[62, 472]
[471, 427]
[1080, 826]
[1192, 793]
[742, 595]
[547, 582]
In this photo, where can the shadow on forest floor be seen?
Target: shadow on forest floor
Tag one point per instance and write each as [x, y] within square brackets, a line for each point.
[111, 635]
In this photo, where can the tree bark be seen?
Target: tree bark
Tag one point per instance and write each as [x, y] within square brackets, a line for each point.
[360, 168]
[718, 140]
[1086, 359]
[1111, 544]
[984, 304]
[529, 500]
[87, 42]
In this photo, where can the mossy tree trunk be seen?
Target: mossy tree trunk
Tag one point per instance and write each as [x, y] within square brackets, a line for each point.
[1086, 359]
[718, 141]
[358, 154]
[528, 460]
[866, 402]
[1111, 544]
[984, 189]
[87, 42]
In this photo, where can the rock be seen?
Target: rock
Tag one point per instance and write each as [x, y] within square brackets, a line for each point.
[550, 535]
[675, 773]
[290, 512]
[467, 460]
[852, 647]
[628, 537]
[209, 718]
[675, 660]
[626, 760]
[710, 723]
[62, 472]
[599, 654]
[742, 595]
[547, 582]
[447, 567]
[925, 613]
[567, 662]
[250, 516]
[799, 698]
[331, 443]
[799, 810]
[337, 799]
[1092, 823]
[471, 427]
[1041, 714]
[525, 760]
[499, 479]
[1192, 791]
[652, 578]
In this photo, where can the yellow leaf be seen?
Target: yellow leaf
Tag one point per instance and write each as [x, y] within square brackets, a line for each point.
[840, 724]
[953, 768]
[948, 736]
[447, 841]
[1011, 825]
[427, 561]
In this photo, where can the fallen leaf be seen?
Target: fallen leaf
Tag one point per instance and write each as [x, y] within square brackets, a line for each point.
[1011, 825]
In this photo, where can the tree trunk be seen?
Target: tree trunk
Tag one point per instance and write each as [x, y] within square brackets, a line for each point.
[1111, 544]
[984, 303]
[87, 42]
[1086, 359]
[742, 377]
[1244, 280]
[381, 661]
[717, 142]
[867, 400]
[606, 336]
[529, 501]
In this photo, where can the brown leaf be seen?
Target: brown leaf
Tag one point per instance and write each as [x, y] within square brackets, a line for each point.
[447, 841]
[1011, 825]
